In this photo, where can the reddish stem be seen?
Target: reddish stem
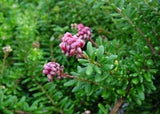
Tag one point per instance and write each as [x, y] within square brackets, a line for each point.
[138, 30]
[94, 43]
[117, 106]
[121, 100]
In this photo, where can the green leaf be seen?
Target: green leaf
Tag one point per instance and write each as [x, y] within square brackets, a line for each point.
[135, 81]
[152, 86]
[85, 53]
[113, 6]
[100, 52]
[89, 49]
[26, 80]
[134, 74]
[98, 78]
[147, 77]
[25, 106]
[142, 87]
[88, 89]
[141, 95]
[34, 88]
[112, 57]
[80, 69]
[105, 94]
[38, 94]
[76, 88]
[121, 92]
[2, 96]
[2, 107]
[64, 101]
[97, 69]
[89, 69]
[8, 112]
[83, 62]
[138, 64]
[70, 83]
[10, 101]
[102, 108]
[22, 100]
[140, 79]
[108, 66]
[138, 101]
[99, 40]
[33, 106]
[149, 62]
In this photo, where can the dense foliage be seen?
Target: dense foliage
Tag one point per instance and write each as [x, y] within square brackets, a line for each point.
[122, 68]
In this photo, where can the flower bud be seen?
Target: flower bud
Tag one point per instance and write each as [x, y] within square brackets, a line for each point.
[71, 45]
[83, 32]
[74, 26]
[53, 69]
[7, 49]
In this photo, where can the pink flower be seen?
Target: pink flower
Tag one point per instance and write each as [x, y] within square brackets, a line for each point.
[79, 50]
[72, 52]
[68, 34]
[52, 69]
[45, 71]
[83, 32]
[80, 26]
[63, 46]
[71, 45]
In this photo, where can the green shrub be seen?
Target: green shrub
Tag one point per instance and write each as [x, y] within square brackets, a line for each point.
[123, 69]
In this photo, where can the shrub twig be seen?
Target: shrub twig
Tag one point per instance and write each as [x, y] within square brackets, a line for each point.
[85, 80]
[91, 61]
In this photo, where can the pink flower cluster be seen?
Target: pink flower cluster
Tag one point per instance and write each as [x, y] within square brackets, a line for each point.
[83, 32]
[53, 69]
[71, 45]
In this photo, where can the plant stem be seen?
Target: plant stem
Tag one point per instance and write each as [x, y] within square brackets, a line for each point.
[91, 61]
[120, 100]
[4, 63]
[117, 106]
[137, 29]
[51, 50]
[84, 80]
[94, 43]
[20, 112]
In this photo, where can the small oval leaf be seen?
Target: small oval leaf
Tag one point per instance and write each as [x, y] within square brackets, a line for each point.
[89, 69]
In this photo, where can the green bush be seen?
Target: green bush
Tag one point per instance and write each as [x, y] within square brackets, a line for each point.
[123, 70]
